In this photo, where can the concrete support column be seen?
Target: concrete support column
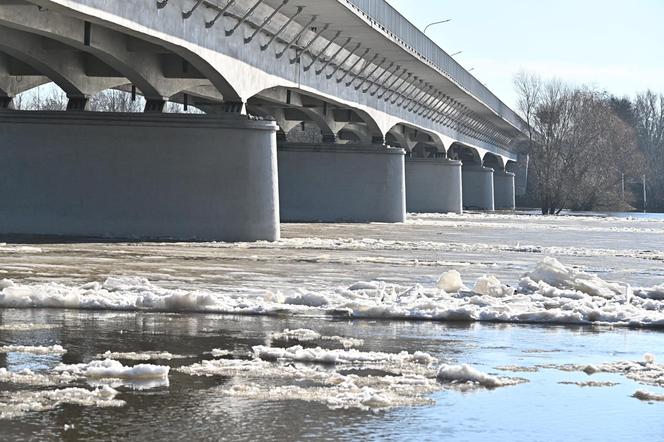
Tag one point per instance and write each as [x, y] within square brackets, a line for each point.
[503, 187]
[477, 187]
[138, 176]
[433, 185]
[341, 183]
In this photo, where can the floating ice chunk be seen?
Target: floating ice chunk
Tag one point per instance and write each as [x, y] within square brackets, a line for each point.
[590, 383]
[643, 395]
[35, 350]
[300, 334]
[555, 274]
[6, 283]
[321, 355]
[491, 286]
[307, 299]
[142, 356]
[346, 395]
[451, 282]
[308, 335]
[17, 403]
[109, 368]
[217, 352]
[649, 358]
[28, 377]
[466, 374]
[26, 327]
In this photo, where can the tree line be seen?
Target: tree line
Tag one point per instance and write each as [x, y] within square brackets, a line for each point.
[590, 150]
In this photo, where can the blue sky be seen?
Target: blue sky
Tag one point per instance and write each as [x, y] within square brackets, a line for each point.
[612, 45]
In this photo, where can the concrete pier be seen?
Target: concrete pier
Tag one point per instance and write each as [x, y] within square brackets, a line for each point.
[477, 187]
[138, 176]
[341, 183]
[503, 186]
[433, 185]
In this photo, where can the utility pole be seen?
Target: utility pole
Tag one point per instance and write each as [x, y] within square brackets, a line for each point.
[645, 205]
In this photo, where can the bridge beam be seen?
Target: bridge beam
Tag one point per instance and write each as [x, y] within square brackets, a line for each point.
[157, 73]
[341, 183]
[66, 69]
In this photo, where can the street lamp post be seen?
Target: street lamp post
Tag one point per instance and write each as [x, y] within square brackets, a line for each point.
[436, 23]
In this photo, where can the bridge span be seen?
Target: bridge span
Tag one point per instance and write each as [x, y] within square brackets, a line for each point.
[315, 110]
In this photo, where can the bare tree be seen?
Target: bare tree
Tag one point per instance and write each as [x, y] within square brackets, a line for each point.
[649, 126]
[116, 101]
[577, 144]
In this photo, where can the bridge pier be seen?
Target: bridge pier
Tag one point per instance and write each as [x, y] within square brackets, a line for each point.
[341, 183]
[478, 190]
[138, 176]
[433, 185]
[503, 185]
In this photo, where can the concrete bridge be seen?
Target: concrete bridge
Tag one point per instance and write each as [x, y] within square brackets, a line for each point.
[315, 110]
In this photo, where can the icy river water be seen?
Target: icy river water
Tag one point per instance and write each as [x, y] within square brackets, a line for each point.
[447, 327]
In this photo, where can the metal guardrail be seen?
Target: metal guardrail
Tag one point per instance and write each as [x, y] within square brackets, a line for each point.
[398, 27]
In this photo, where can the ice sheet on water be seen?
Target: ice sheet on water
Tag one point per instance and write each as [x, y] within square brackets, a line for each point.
[35, 350]
[28, 377]
[308, 335]
[141, 376]
[347, 379]
[17, 403]
[325, 356]
[464, 375]
[141, 356]
[551, 293]
[20, 327]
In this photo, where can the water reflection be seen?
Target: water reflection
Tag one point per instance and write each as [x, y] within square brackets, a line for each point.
[193, 407]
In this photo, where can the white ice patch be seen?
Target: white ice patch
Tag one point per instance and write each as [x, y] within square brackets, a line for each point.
[465, 374]
[35, 350]
[491, 286]
[451, 282]
[307, 335]
[352, 379]
[551, 293]
[28, 377]
[321, 355]
[17, 403]
[141, 376]
[25, 327]
[141, 356]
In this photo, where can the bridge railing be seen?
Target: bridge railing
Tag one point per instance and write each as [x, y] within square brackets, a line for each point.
[400, 29]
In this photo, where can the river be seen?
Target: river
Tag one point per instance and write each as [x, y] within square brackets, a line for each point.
[549, 330]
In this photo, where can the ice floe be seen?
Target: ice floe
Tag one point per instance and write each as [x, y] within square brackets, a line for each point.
[589, 383]
[35, 350]
[335, 378]
[17, 403]
[141, 356]
[307, 335]
[26, 327]
[29, 377]
[108, 371]
[465, 374]
[550, 293]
